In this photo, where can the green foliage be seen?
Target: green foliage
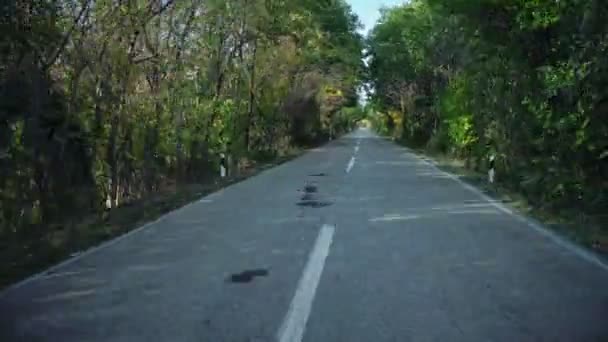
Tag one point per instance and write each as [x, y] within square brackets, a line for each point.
[457, 132]
[104, 103]
[518, 79]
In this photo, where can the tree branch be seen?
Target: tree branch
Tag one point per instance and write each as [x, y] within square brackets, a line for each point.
[144, 59]
[162, 8]
[66, 36]
[182, 38]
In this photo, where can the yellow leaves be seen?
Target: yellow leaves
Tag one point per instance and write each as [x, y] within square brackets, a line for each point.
[332, 91]
[331, 98]
[460, 131]
[396, 116]
[390, 122]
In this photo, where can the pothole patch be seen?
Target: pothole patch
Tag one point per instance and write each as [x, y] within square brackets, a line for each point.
[314, 204]
[322, 174]
[247, 276]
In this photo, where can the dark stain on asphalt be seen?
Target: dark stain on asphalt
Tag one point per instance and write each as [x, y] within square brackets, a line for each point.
[247, 276]
[322, 174]
[309, 189]
[308, 197]
[314, 204]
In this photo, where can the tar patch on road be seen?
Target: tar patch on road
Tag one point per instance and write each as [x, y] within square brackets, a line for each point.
[314, 204]
[311, 189]
[322, 174]
[308, 198]
[247, 276]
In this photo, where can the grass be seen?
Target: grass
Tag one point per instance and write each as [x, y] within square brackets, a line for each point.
[22, 258]
[588, 231]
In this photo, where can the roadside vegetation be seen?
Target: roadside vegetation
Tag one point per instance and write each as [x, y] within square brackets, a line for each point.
[522, 80]
[112, 112]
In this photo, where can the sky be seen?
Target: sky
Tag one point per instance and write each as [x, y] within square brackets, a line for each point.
[369, 10]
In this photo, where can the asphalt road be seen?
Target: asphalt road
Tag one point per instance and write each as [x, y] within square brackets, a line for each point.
[359, 240]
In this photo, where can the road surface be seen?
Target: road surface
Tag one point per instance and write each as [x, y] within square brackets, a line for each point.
[359, 240]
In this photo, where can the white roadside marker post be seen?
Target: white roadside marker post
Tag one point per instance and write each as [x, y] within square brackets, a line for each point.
[491, 171]
[223, 168]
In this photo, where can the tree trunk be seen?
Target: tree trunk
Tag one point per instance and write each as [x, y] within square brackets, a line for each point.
[251, 106]
[151, 140]
[112, 161]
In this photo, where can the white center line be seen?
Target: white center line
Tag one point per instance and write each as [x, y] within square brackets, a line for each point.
[351, 163]
[294, 324]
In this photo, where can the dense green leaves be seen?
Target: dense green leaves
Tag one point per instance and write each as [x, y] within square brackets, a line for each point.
[103, 102]
[519, 79]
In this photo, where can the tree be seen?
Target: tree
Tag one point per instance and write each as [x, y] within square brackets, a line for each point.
[521, 79]
[105, 102]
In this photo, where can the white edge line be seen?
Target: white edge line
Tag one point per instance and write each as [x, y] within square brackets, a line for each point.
[391, 218]
[294, 324]
[573, 248]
